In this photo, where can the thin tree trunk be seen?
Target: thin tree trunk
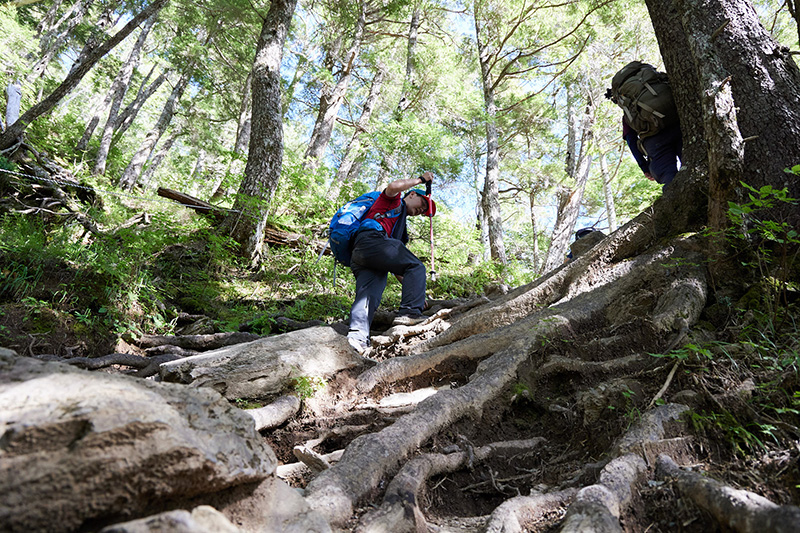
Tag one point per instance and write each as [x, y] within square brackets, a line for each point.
[114, 98]
[794, 11]
[105, 21]
[534, 232]
[348, 169]
[491, 192]
[245, 224]
[47, 25]
[197, 172]
[236, 165]
[611, 211]
[52, 41]
[410, 83]
[331, 100]
[13, 132]
[155, 162]
[14, 101]
[387, 166]
[578, 165]
[134, 169]
[128, 115]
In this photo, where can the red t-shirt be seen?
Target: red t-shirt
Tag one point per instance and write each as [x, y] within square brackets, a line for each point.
[382, 205]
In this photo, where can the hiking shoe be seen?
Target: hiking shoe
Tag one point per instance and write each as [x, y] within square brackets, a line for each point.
[408, 320]
[360, 347]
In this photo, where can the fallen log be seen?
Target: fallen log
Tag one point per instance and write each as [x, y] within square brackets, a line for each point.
[272, 235]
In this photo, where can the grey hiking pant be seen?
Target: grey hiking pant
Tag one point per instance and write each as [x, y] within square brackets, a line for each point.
[374, 256]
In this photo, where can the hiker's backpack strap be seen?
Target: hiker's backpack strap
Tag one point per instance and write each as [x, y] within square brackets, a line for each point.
[345, 224]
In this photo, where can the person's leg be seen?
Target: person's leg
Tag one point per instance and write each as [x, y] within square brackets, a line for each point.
[663, 150]
[376, 251]
[370, 285]
[412, 301]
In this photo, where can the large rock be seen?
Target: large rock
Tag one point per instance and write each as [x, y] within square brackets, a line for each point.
[265, 367]
[202, 519]
[80, 449]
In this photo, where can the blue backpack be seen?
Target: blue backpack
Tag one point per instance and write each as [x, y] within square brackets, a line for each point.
[348, 220]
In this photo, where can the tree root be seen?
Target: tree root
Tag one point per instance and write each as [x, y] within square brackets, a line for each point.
[276, 413]
[400, 512]
[300, 469]
[147, 366]
[197, 342]
[557, 364]
[511, 515]
[368, 458]
[598, 507]
[567, 280]
[739, 510]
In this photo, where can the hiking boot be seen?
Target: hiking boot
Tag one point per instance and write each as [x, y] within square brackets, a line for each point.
[408, 320]
[360, 347]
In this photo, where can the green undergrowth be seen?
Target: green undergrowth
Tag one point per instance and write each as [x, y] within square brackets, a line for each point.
[142, 279]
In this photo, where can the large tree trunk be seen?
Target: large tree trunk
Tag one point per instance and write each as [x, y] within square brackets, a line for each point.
[348, 169]
[332, 98]
[249, 216]
[76, 75]
[134, 169]
[726, 39]
[116, 95]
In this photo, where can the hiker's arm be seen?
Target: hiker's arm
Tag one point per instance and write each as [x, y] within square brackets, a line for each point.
[398, 186]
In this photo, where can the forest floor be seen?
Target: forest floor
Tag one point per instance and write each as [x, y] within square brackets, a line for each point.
[462, 501]
[740, 430]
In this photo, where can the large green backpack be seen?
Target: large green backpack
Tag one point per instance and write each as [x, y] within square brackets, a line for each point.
[645, 96]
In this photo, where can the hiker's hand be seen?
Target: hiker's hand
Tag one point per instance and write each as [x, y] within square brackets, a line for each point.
[649, 176]
[427, 176]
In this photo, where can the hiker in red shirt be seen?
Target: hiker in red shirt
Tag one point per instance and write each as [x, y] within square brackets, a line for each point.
[380, 248]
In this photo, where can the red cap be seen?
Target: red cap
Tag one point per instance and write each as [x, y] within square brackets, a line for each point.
[431, 210]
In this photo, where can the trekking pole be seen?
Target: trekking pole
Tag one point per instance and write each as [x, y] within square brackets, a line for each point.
[428, 190]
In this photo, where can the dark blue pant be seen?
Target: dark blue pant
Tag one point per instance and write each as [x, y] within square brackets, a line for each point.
[664, 149]
[374, 256]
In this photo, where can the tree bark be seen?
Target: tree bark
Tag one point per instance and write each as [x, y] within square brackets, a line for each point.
[76, 75]
[265, 159]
